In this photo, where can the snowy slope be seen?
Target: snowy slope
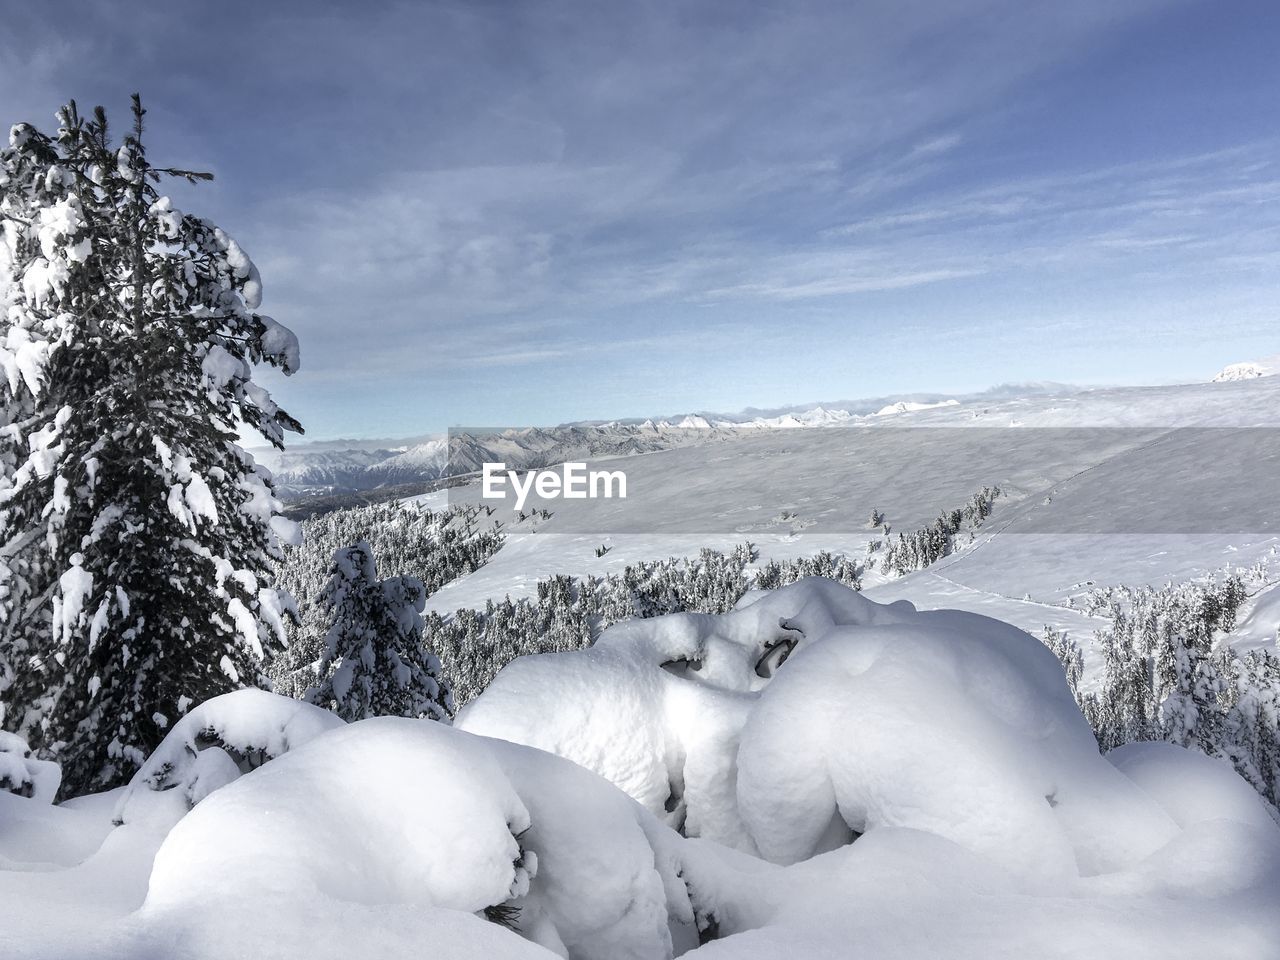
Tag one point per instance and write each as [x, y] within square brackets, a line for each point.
[1141, 499]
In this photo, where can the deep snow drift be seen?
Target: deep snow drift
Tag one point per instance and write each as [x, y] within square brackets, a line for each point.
[814, 774]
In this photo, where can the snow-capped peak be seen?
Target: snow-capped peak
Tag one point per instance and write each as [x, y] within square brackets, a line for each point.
[911, 406]
[1249, 370]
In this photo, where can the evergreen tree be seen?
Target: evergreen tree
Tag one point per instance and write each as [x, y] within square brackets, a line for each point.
[374, 663]
[135, 575]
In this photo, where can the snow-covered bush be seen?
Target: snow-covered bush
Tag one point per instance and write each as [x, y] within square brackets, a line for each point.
[396, 812]
[374, 663]
[214, 744]
[944, 721]
[570, 613]
[25, 775]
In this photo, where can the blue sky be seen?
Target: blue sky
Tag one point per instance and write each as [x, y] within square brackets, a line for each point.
[530, 212]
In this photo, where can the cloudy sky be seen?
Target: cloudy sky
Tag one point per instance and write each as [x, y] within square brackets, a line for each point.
[480, 212]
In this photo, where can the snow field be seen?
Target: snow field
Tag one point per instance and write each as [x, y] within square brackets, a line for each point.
[810, 771]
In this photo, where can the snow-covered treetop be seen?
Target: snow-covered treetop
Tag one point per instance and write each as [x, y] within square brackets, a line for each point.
[61, 200]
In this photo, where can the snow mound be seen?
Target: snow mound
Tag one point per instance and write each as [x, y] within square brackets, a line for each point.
[811, 715]
[25, 775]
[1248, 370]
[657, 705]
[1191, 787]
[901, 893]
[402, 813]
[215, 744]
[945, 722]
[35, 834]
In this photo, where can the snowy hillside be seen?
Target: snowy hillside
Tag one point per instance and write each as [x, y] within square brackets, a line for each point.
[1110, 486]
[728, 785]
[919, 765]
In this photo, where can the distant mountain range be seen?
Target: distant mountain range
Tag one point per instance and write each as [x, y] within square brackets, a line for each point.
[382, 472]
[356, 467]
[320, 475]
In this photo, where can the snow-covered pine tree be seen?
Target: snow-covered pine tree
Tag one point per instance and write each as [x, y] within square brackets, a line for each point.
[135, 574]
[374, 663]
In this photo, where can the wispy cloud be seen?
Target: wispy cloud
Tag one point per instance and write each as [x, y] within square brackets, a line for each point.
[447, 196]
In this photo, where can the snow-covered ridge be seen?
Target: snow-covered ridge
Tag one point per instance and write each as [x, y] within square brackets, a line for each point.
[904, 406]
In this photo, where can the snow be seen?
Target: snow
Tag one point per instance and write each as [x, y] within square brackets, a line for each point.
[77, 584]
[200, 498]
[903, 780]
[814, 772]
[25, 775]
[413, 812]
[23, 359]
[1248, 370]
[222, 367]
[981, 742]
[286, 531]
[43, 279]
[402, 819]
[212, 745]
[900, 893]
[57, 224]
[37, 836]
[281, 343]
[169, 217]
[909, 406]
[1260, 627]
[1189, 786]
[370, 840]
